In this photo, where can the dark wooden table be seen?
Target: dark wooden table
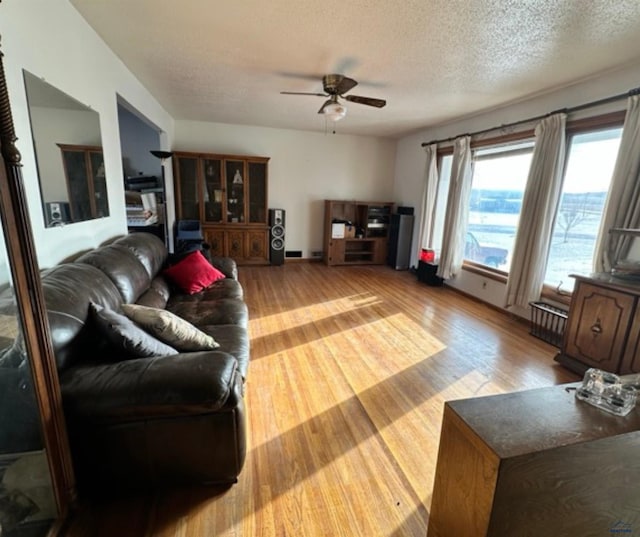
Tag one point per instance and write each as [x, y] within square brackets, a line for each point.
[536, 463]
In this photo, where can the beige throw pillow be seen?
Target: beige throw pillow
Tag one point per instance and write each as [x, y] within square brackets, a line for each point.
[170, 328]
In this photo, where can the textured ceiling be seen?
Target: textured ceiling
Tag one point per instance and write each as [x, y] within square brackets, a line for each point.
[432, 60]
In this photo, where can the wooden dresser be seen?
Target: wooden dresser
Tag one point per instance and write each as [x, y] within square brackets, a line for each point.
[603, 326]
[534, 464]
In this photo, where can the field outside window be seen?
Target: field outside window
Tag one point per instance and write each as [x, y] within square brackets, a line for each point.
[499, 179]
[589, 169]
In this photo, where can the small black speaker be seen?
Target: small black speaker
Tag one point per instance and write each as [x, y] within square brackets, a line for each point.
[427, 274]
[57, 213]
[276, 236]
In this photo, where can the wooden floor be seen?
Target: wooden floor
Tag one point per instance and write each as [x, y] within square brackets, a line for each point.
[350, 367]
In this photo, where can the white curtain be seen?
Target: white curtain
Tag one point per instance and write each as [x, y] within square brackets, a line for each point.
[622, 208]
[539, 206]
[456, 216]
[429, 196]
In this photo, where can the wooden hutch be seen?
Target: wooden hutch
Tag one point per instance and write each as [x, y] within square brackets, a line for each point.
[227, 194]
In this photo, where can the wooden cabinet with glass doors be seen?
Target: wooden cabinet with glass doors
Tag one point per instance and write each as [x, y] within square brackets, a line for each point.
[228, 195]
[86, 181]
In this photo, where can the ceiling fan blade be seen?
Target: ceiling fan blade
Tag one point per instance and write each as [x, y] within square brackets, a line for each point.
[327, 102]
[301, 76]
[303, 93]
[345, 85]
[369, 101]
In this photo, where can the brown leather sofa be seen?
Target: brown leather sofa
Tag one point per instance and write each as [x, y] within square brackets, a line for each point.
[148, 422]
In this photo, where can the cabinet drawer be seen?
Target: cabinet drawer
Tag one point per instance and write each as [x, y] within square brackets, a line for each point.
[597, 326]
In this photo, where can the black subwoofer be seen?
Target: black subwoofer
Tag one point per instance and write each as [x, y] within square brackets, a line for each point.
[276, 236]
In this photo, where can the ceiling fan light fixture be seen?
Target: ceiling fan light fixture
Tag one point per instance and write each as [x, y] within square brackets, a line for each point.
[335, 111]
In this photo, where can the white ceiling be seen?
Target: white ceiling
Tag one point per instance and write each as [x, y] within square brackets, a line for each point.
[432, 60]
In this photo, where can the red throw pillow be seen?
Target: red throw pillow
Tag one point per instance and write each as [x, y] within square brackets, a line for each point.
[193, 273]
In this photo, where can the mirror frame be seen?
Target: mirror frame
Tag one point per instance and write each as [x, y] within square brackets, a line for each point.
[21, 252]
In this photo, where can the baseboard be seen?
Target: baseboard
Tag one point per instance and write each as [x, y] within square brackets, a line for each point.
[292, 260]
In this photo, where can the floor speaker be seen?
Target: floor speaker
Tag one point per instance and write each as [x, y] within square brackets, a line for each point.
[57, 213]
[276, 236]
[400, 234]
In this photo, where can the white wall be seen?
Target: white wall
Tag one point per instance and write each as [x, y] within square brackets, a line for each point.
[53, 126]
[410, 157]
[305, 169]
[51, 40]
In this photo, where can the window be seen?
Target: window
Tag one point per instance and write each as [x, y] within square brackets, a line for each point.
[497, 189]
[592, 157]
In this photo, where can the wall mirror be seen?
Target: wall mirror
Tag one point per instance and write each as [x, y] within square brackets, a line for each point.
[68, 148]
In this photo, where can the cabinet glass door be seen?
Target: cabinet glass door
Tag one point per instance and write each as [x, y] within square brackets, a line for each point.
[257, 193]
[236, 177]
[213, 191]
[101, 203]
[27, 502]
[188, 192]
[75, 165]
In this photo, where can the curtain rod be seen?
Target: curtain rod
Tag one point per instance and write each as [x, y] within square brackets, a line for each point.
[606, 100]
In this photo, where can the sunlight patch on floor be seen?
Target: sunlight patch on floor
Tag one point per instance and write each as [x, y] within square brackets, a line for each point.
[340, 439]
[271, 324]
[364, 407]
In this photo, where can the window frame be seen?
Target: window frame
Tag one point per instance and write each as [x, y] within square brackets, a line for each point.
[573, 127]
[581, 126]
[520, 136]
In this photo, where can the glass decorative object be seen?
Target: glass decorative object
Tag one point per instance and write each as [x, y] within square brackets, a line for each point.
[608, 392]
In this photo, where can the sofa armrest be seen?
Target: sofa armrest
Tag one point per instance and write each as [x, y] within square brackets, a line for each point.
[226, 265]
[181, 384]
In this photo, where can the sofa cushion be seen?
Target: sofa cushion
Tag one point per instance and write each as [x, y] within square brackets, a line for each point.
[202, 312]
[123, 268]
[68, 289]
[124, 335]
[157, 295]
[149, 249]
[226, 288]
[193, 273]
[170, 328]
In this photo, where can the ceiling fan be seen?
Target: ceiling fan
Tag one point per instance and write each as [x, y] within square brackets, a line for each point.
[336, 86]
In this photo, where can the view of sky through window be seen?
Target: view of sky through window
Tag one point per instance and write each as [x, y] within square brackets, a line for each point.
[592, 157]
